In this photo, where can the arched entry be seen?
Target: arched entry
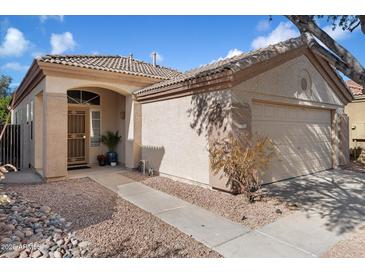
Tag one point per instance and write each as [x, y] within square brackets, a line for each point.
[101, 110]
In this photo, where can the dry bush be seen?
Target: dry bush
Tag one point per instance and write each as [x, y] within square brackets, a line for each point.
[242, 160]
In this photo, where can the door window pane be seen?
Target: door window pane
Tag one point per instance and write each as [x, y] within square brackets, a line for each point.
[27, 113]
[95, 132]
[31, 110]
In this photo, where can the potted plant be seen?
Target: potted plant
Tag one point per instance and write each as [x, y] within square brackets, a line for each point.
[101, 159]
[111, 140]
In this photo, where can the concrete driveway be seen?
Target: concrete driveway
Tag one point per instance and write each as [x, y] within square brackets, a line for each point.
[336, 195]
[332, 205]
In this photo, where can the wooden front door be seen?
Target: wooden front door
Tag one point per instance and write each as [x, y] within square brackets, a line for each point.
[77, 137]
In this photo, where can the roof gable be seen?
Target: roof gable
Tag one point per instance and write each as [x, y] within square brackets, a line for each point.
[235, 64]
[231, 69]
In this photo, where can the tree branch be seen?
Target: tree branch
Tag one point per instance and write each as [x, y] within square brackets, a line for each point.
[345, 62]
[352, 28]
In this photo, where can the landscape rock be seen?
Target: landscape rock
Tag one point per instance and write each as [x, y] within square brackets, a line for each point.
[23, 254]
[9, 227]
[84, 244]
[12, 254]
[19, 234]
[24, 222]
[6, 240]
[45, 209]
[28, 233]
[36, 254]
[57, 254]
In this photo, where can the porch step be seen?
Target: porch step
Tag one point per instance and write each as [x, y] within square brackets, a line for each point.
[78, 166]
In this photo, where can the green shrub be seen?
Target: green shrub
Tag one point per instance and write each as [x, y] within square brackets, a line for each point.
[111, 140]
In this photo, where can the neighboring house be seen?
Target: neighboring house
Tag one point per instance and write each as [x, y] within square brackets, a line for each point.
[356, 112]
[284, 91]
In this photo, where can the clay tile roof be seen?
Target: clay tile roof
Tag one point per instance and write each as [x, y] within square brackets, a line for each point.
[112, 63]
[355, 88]
[236, 63]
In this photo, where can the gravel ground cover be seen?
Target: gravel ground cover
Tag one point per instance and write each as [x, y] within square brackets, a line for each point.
[110, 225]
[351, 247]
[234, 207]
[28, 229]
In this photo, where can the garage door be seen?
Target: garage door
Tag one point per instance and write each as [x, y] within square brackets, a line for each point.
[302, 138]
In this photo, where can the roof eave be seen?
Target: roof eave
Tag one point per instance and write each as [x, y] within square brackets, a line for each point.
[336, 78]
[330, 58]
[48, 67]
[32, 78]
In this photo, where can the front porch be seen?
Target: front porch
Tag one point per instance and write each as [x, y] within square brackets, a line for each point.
[72, 123]
[107, 176]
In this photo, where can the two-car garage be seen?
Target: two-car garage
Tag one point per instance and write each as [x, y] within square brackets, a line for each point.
[301, 136]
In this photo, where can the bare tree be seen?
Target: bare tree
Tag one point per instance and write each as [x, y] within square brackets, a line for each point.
[338, 56]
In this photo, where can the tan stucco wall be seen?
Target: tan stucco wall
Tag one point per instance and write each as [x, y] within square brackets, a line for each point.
[282, 84]
[133, 129]
[356, 113]
[54, 134]
[28, 146]
[170, 142]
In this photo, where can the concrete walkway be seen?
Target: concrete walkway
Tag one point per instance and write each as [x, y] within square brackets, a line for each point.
[24, 176]
[298, 235]
[202, 225]
[303, 234]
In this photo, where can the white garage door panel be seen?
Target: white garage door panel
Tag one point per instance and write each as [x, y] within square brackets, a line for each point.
[302, 138]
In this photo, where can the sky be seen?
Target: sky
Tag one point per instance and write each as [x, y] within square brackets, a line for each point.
[181, 42]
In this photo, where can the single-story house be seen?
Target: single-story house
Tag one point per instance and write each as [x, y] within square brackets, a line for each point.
[356, 113]
[285, 91]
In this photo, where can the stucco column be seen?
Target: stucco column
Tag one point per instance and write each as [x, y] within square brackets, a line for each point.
[133, 124]
[54, 135]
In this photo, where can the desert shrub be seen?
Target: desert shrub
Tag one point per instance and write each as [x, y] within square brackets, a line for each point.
[242, 160]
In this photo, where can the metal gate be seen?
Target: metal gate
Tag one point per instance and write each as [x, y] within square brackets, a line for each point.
[76, 137]
[10, 146]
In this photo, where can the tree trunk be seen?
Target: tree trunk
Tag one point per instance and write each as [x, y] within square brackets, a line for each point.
[343, 60]
[362, 23]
